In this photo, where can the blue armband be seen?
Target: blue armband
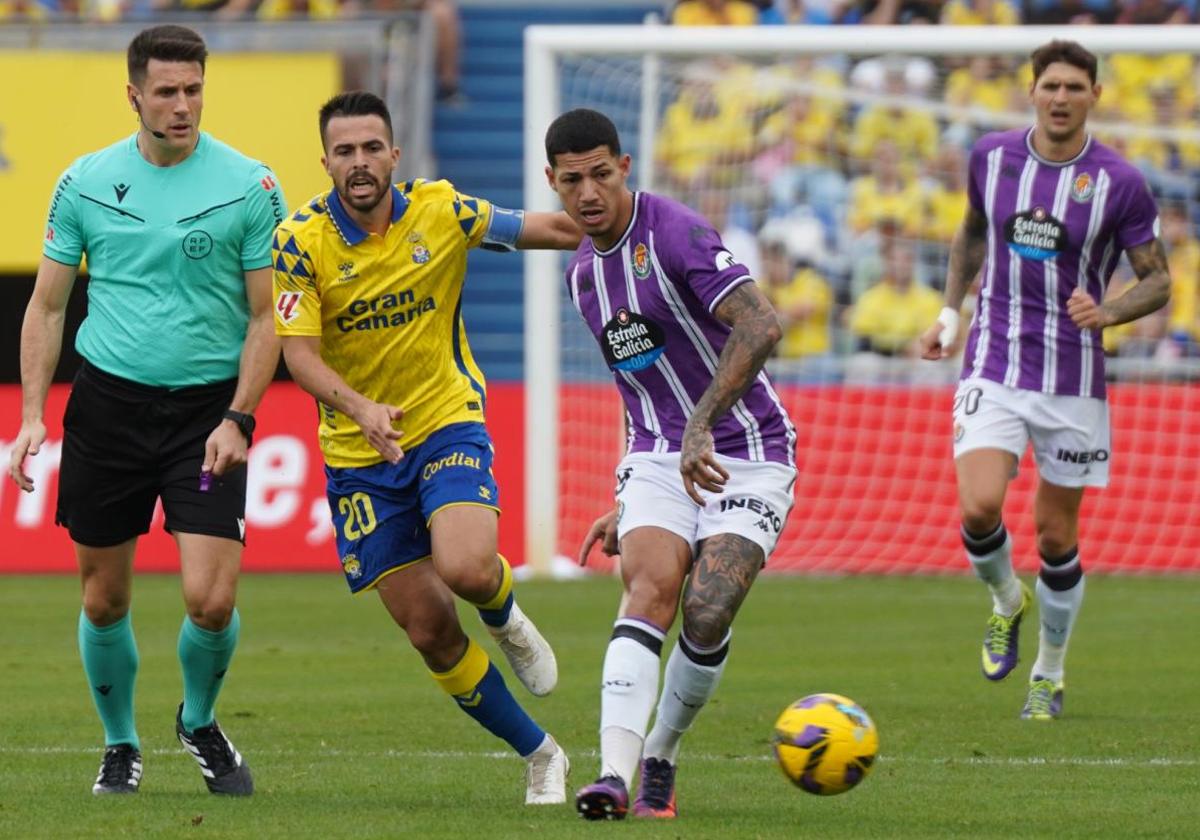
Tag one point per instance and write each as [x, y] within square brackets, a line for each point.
[504, 229]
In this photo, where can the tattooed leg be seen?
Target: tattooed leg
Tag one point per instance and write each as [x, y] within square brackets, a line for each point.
[724, 570]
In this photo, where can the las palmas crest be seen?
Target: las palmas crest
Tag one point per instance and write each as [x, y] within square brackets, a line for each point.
[420, 251]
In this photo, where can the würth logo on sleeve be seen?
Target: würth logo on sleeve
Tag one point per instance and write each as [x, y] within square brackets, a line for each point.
[268, 183]
[287, 306]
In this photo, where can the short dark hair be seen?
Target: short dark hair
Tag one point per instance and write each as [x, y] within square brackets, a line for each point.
[165, 43]
[355, 103]
[1069, 52]
[581, 130]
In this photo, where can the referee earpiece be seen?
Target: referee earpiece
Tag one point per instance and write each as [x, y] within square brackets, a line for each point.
[137, 106]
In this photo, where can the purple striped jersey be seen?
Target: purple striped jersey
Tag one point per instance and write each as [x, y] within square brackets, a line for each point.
[1052, 227]
[649, 301]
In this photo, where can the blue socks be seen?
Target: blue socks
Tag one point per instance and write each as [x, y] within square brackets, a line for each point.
[480, 691]
[495, 611]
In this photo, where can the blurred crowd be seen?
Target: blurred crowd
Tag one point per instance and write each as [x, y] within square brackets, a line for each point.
[842, 182]
[444, 14]
[946, 12]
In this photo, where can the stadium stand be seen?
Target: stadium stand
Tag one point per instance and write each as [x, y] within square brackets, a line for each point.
[479, 148]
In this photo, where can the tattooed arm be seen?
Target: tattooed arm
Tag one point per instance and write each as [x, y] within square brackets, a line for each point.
[966, 258]
[755, 333]
[1151, 292]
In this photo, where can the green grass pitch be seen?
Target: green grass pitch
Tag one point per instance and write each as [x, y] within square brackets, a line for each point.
[348, 737]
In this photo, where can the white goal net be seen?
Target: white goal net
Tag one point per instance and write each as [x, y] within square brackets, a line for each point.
[833, 160]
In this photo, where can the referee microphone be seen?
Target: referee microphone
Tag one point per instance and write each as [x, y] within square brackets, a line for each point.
[138, 107]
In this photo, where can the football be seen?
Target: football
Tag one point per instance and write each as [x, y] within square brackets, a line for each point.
[825, 743]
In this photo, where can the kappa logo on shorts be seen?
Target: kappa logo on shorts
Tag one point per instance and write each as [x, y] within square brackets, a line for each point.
[623, 478]
[769, 520]
[287, 306]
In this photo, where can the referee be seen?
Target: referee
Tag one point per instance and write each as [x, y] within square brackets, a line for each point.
[178, 348]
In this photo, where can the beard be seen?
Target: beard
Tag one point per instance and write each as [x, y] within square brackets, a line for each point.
[362, 204]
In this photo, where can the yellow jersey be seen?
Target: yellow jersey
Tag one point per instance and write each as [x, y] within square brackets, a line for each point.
[891, 319]
[689, 144]
[388, 309]
[1183, 262]
[872, 205]
[734, 13]
[915, 133]
[1001, 13]
[804, 334]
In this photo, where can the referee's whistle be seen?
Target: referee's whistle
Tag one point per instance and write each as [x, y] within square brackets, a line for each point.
[205, 480]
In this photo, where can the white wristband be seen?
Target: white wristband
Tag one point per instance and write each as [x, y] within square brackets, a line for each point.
[949, 320]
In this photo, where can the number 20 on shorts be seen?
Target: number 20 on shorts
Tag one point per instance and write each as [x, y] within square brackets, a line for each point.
[360, 516]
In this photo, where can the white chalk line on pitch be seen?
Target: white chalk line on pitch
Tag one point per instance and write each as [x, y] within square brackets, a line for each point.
[975, 760]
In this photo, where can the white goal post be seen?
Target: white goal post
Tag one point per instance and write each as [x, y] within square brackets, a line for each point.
[546, 47]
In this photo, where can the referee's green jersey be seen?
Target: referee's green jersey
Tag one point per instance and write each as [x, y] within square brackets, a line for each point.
[166, 250]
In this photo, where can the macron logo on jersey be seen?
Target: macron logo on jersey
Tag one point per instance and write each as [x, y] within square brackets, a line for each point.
[725, 260]
[268, 183]
[287, 306]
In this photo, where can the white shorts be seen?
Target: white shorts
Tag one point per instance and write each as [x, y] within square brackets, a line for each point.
[1070, 435]
[754, 504]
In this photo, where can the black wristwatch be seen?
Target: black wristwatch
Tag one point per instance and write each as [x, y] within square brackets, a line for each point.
[245, 423]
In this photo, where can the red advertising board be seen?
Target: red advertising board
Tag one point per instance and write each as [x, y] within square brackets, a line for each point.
[287, 517]
[875, 492]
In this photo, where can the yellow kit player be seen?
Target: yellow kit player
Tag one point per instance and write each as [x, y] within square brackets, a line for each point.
[368, 298]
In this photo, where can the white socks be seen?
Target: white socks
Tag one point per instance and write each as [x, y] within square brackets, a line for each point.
[1060, 596]
[631, 686]
[691, 680]
[991, 556]
[627, 696]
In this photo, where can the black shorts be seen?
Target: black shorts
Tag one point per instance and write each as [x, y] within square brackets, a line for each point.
[126, 444]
